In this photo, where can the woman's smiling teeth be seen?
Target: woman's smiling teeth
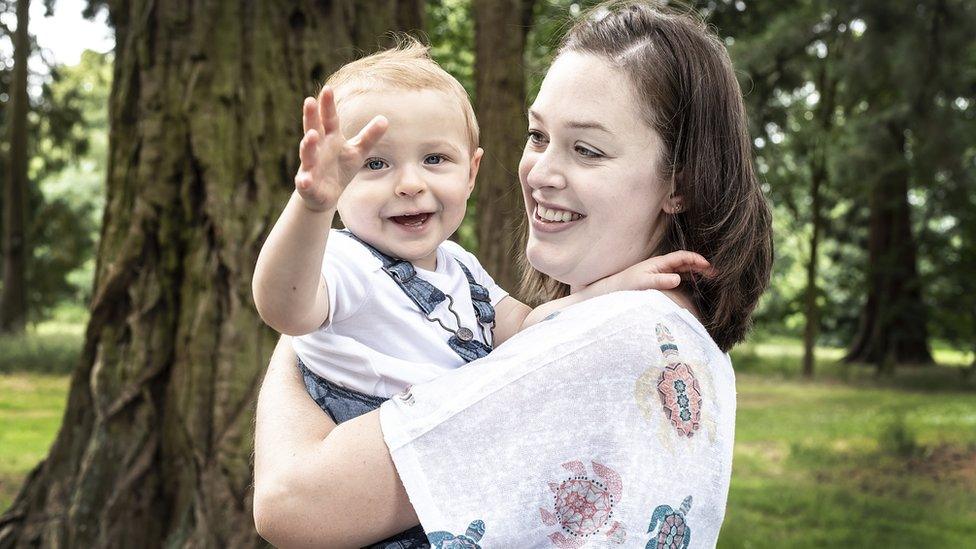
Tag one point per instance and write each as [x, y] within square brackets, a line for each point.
[557, 216]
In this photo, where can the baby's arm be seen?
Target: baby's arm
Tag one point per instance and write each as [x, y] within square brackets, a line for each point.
[290, 292]
[656, 273]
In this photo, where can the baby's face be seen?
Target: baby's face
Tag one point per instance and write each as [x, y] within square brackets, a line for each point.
[411, 192]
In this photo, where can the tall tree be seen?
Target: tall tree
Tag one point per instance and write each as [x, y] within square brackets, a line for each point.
[13, 297]
[205, 118]
[500, 36]
[906, 76]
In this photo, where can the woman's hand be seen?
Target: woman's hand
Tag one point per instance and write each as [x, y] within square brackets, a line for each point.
[329, 161]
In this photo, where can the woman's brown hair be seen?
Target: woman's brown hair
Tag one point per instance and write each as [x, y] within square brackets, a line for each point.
[683, 74]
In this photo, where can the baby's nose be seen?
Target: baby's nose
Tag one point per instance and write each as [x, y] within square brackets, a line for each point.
[410, 185]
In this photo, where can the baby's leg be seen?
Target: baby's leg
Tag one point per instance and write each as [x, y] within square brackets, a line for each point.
[342, 405]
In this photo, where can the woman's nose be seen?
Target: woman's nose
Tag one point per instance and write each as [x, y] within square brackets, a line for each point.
[544, 172]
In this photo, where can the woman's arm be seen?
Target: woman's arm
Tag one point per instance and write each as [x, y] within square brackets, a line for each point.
[305, 483]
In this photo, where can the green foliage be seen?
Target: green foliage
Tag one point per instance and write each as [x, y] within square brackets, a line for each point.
[67, 144]
[823, 79]
[66, 226]
[451, 29]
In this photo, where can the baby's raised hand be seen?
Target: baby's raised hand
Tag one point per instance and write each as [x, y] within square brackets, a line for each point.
[329, 160]
[657, 273]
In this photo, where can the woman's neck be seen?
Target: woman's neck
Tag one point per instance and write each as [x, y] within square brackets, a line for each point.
[683, 301]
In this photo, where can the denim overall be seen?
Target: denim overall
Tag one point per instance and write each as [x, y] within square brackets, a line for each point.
[344, 404]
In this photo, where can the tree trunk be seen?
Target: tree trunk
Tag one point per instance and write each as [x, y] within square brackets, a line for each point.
[819, 174]
[811, 311]
[893, 322]
[13, 298]
[500, 30]
[205, 113]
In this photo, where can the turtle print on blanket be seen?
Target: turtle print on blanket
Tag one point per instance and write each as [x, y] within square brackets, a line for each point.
[467, 540]
[677, 387]
[675, 532]
[583, 504]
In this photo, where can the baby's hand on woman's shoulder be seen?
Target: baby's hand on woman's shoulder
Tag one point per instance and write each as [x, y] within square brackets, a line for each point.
[662, 272]
[329, 160]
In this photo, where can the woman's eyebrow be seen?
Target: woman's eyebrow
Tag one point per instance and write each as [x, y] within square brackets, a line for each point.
[575, 124]
[587, 125]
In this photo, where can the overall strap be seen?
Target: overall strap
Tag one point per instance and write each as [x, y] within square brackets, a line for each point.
[479, 297]
[421, 292]
[427, 297]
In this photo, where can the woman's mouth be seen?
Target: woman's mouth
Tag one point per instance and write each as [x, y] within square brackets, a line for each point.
[551, 215]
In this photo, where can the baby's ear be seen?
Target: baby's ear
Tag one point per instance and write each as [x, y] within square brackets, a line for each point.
[475, 164]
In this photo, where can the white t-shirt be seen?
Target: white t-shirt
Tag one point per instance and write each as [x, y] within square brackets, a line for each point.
[376, 340]
[574, 433]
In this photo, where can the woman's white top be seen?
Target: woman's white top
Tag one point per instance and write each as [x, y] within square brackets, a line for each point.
[376, 341]
[609, 425]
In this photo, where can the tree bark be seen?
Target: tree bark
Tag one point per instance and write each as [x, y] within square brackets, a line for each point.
[13, 298]
[500, 30]
[205, 118]
[893, 322]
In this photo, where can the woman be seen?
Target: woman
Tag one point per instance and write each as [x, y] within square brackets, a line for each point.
[611, 423]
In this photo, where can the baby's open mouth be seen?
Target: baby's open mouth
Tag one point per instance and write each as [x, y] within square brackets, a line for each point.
[411, 220]
[550, 215]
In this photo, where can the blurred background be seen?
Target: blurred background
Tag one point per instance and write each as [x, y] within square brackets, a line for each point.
[149, 146]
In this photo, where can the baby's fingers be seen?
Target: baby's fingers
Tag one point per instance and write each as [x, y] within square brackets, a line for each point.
[328, 115]
[367, 138]
[659, 281]
[310, 110]
[306, 150]
[681, 262]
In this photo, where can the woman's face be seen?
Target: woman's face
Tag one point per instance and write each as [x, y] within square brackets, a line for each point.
[589, 174]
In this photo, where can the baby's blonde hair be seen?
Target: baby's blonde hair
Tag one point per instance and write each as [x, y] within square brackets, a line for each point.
[406, 66]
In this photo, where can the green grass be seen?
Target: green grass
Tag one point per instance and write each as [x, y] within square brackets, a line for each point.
[50, 347]
[843, 460]
[31, 407]
[850, 460]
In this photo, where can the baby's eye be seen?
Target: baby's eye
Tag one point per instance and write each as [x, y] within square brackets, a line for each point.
[587, 152]
[536, 138]
[375, 164]
[434, 159]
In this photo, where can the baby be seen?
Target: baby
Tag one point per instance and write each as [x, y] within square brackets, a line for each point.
[390, 301]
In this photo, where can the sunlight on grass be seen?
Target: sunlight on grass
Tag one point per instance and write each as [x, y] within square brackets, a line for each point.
[31, 408]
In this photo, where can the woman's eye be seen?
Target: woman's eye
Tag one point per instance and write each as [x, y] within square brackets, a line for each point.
[536, 138]
[587, 152]
[375, 164]
[434, 159]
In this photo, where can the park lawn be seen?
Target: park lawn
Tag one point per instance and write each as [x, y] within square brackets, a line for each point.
[826, 464]
[31, 409]
[844, 460]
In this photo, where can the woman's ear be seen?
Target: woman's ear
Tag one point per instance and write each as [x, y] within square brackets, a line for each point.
[674, 204]
[475, 164]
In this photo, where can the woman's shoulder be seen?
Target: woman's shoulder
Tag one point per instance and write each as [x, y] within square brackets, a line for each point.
[630, 310]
